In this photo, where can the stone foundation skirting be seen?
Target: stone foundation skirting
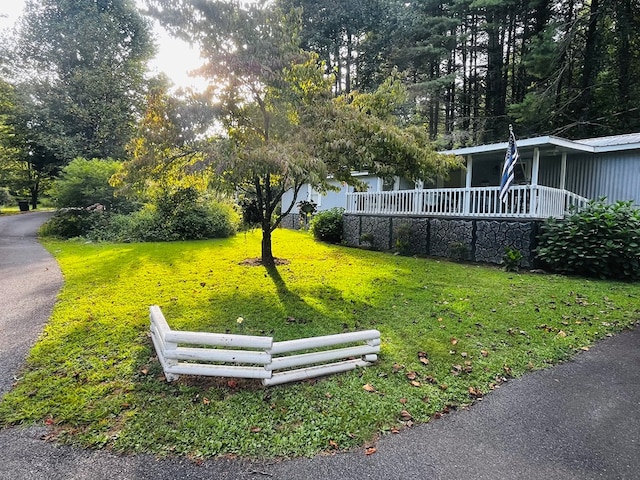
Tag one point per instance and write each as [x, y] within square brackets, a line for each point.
[476, 240]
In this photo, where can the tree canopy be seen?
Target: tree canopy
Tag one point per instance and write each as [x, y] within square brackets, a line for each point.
[281, 126]
[566, 67]
[78, 69]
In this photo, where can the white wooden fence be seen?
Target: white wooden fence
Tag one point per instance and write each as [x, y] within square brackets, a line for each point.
[247, 356]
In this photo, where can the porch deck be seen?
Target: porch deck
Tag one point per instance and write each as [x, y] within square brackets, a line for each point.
[524, 201]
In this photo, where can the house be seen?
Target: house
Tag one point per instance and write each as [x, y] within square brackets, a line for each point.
[552, 175]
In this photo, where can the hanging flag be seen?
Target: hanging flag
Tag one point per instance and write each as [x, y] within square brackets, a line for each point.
[510, 160]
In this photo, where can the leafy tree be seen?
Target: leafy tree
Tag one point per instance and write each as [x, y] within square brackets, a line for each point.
[26, 167]
[282, 127]
[79, 67]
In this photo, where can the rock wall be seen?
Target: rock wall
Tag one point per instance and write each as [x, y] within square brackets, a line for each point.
[460, 239]
[292, 221]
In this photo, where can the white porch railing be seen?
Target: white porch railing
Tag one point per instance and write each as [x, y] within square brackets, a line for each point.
[524, 201]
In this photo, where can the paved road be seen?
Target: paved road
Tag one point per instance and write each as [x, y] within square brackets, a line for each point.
[29, 282]
[579, 420]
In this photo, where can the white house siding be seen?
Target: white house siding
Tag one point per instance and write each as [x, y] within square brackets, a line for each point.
[332, 199]
[614, 175]
[549, 173]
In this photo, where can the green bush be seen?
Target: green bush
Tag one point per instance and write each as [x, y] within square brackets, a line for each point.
[181, 215]
[70, 223]
[327, 225]
[184, 215]
[86, 182]
[404, 237]
[5, 196]
[511, 259]
[602, 240]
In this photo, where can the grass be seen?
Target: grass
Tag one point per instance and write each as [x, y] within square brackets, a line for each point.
[5, 210]
[94, 379]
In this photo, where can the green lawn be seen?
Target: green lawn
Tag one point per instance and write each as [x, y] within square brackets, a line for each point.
[94, 379]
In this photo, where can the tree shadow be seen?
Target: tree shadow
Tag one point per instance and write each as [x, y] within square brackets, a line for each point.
[347, 317]
[292, 301]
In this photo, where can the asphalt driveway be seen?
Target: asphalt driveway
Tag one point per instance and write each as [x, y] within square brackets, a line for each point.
[579, 420]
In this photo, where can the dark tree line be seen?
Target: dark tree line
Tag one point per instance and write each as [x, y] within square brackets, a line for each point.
[564, 67]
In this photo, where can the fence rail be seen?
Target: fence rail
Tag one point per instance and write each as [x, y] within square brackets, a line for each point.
[246, 356]
[523, 201]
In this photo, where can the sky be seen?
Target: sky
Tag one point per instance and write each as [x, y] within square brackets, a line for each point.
[175, 58]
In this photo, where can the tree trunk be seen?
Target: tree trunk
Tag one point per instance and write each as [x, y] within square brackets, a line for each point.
[267, 253]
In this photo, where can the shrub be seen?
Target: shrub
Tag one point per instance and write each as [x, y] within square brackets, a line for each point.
[184, 215]
[86, 182]
[403, 239]
[251, 216]
[327, 225]
[5, 196]
[511, 259]
[70, 223]
[181, 215]
[602, 240]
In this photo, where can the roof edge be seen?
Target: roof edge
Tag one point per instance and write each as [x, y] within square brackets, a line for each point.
[527, 142]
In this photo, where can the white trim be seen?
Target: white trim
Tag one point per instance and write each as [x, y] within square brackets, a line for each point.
[528, 142]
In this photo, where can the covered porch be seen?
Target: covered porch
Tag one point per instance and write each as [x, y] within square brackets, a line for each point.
[538, 192]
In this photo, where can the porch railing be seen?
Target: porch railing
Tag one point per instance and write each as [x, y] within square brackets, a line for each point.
[523, 201]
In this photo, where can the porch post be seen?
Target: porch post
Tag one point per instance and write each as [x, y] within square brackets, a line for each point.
[535, 169]
[563, 171]
[417, 197]
[467, 185]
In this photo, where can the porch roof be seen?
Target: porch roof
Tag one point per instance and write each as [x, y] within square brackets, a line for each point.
[612, 143]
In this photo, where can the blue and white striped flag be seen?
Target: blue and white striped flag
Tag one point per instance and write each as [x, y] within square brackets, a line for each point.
[510, 160]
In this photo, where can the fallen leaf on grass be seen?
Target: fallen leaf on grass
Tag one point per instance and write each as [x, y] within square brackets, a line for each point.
[474, 392]
[424, 360]
[369, 388]
[144, 371]
[397, 367]
[206, 401]
[415, 383]
[454, 341]
[255, 429]
[484, 353]
[333, 444]
[412, 375]
[585, 349]
[562, 333]
[403, 401]
[405, 416]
